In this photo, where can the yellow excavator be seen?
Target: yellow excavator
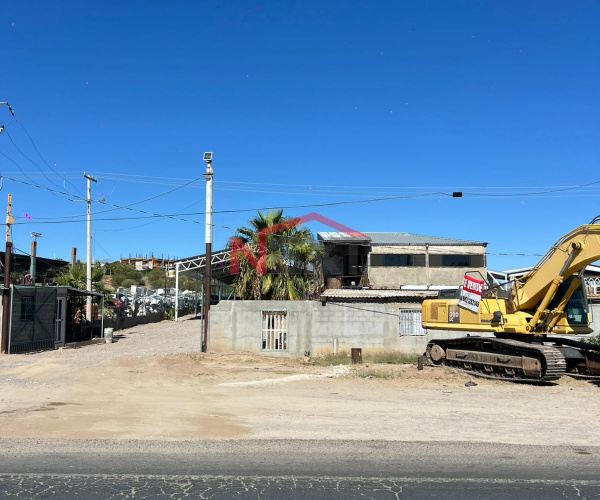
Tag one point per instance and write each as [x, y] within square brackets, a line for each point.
[518, 327]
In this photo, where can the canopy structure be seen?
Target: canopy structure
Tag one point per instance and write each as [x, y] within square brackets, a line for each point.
[195, 267]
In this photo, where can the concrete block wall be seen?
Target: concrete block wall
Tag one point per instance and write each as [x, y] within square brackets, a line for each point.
[236, 326]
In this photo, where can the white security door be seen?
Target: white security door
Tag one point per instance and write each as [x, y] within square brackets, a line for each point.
[61, 306]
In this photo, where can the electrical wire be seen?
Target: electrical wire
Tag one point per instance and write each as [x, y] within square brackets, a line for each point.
[29, 159]
[236, 211]
[43, 159]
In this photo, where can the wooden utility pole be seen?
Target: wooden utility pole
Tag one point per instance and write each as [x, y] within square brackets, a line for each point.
[6, 290]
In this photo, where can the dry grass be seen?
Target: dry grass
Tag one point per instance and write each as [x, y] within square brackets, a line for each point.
[388, 358]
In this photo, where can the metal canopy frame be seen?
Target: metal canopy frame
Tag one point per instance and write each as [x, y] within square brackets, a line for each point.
[194, 267]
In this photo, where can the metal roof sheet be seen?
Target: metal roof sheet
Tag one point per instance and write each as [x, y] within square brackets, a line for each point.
[392, 239]
[342, 293]
[335, 237]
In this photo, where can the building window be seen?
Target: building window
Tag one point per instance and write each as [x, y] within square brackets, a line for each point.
[397, 260]
[274, 330]
[410, 322]
[27, 308]
[456, 260]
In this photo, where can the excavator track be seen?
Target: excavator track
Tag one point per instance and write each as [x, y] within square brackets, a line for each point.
[500, 359]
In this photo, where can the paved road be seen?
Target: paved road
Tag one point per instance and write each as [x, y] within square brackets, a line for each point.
[265, 488]
[295, 469]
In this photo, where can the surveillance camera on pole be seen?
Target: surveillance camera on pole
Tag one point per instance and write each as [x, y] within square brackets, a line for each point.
[208, 176]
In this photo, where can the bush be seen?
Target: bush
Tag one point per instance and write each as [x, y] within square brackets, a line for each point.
[594, 340]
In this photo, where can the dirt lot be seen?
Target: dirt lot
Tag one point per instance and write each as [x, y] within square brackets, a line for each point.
[153, 384]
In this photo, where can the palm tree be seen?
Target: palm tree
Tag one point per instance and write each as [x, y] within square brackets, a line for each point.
[76, 277]
[290, 254]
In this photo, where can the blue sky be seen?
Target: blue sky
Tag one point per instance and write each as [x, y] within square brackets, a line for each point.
[302, 103]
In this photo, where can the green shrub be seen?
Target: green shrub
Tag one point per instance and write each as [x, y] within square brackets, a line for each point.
[593, 340]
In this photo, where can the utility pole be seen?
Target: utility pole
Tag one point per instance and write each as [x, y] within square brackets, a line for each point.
[6, 291]
[88, 311]
[7, 254]
[33, 256]
[208, 176]
[88, 200]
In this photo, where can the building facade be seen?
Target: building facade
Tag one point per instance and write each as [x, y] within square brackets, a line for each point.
[144, 263]
[399, 260]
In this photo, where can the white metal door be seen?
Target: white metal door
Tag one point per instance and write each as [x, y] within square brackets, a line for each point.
[61, 306]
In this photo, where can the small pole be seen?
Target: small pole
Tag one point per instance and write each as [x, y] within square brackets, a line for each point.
[73, 256]
[196, 299]
[32, 269]
[176, 291]
[165, 296]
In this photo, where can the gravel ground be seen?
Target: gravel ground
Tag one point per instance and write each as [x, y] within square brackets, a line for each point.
[154, 339]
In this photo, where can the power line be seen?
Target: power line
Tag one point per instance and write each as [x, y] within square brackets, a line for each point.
[174, 181]
[43, 159]
[29, 160]
[240, 210]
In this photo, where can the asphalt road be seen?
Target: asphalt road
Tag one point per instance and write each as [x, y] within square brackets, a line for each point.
[295, 469]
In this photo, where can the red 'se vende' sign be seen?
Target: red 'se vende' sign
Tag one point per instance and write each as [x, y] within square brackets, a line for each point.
[470, 294]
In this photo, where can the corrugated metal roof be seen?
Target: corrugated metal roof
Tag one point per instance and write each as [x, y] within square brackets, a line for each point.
[339, 237]
[376, 294]
[394, 239]
[391, 239]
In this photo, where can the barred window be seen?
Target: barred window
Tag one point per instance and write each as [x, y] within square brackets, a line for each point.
[410, 322]
[274, 330]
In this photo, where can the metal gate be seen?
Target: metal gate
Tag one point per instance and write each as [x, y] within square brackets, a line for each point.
[410, 322]
[32, 319]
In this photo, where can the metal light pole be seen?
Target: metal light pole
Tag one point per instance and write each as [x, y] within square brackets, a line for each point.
[33, 255]
[208, 240]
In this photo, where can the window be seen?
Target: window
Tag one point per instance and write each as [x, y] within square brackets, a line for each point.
[274, 330]
[27, 308]
[410, 322]
[455, 260]
[397, 260]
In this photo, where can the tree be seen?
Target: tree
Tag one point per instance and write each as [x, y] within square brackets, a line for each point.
[121, 272]
[156, 277]
[76, 277]
[290, 254]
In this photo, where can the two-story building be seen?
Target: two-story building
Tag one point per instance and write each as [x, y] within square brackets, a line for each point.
[397, 269]
[399, 260]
